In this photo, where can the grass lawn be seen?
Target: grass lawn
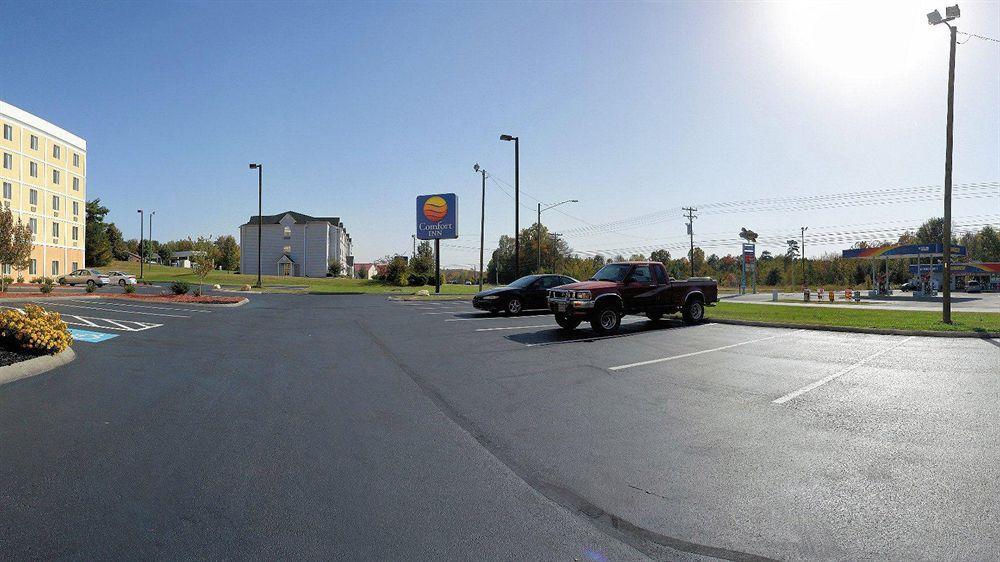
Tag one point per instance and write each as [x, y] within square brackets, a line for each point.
[274, 283]
[858, 318]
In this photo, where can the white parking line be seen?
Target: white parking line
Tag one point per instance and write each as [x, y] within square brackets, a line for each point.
[118, 303]
[824, 380]
[115, 310]
[693, 353]
[489, 317]
[516, 327]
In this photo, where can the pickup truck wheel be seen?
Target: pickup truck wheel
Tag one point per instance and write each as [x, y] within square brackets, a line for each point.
[694, 311]
[567, 322]
[654, 316]
[514, 306]
[606, 320]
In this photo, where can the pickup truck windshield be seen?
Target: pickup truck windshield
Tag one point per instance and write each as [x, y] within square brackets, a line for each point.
[611, 272]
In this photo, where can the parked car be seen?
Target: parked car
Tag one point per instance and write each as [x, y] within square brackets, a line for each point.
[973, 287]
[631, 288]
[910, 286]
[121, 278]
[527, 293]
[92, 277]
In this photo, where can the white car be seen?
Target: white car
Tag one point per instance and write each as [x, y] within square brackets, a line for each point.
[121, 278]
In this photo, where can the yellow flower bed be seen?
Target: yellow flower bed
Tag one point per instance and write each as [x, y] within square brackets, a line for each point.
[34, 330]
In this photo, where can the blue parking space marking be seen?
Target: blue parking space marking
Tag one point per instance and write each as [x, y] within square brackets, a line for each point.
[90, 337]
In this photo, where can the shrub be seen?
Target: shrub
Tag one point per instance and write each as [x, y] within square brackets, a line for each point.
[416, 280]
[90, 288]
[20, 279]
[180, 287]
[46, 288]
[62, 280]
[34, 330]
[8, 280]
[129, 289]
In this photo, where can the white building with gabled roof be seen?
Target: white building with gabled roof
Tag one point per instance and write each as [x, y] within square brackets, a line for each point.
[295, 245]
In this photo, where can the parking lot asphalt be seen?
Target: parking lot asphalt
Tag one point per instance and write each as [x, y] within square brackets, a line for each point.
[357, 427]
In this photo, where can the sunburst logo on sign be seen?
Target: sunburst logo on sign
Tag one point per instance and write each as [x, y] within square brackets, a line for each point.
[435, 208]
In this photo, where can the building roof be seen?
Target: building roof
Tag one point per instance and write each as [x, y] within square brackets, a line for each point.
[299, 218]
[42, 125]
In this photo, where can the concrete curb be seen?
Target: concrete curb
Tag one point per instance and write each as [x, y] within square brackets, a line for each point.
[851, 329]
[431, 298]
[222, 304]
[35, 366]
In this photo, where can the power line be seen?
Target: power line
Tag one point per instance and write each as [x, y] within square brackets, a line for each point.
[983, 37]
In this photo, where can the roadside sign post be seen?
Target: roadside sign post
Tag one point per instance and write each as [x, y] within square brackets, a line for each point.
[437, 218]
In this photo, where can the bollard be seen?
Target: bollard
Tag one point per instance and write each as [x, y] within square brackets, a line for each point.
[847, 294]
[774, 295]
[857, 296]
[805, 294]
[832, 293]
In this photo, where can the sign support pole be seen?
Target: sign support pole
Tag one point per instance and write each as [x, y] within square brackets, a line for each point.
[437, 265]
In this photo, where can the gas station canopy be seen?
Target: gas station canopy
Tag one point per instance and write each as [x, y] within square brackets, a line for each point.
[903, 251]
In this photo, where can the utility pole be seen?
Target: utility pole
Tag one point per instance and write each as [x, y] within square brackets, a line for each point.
[802, 252]
[934, 18]
[538, 237]
[482, 225]
[413, 254]
[690, 226]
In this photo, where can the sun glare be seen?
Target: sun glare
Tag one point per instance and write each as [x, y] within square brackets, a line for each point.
[853, 43]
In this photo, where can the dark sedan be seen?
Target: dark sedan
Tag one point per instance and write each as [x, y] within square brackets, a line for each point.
[527, 293]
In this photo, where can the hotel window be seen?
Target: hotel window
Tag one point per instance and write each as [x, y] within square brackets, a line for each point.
[76, 207]
[55, 177]
[55, 230]
[76, 266]
[76, 236]
[8, 190]
[33, 225]
[76, 159]
[55, 202]
[55, 267]
[33, 197]
[8, 132]
[8, 161]
[288, 232]
[6, 269]
[56, 153]
[33, 169]
[34, 142]
[32, 266]
[76, 184]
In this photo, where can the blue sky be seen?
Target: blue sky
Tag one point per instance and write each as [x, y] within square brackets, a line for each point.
[355, 109]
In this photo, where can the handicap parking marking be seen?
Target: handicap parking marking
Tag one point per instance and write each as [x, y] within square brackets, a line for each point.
[107, 323]
[90, 337]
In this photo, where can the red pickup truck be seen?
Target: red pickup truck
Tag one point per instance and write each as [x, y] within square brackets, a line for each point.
[630, 288]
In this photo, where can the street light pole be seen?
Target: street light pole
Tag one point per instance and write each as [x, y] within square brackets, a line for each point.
[151, 213]
[802, 249]
[935, 18]
[482, 225]
[260, 215]
[142, 227]
[517, 203]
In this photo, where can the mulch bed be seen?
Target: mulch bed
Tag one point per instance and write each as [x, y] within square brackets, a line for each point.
[204, 299]
[8, 357]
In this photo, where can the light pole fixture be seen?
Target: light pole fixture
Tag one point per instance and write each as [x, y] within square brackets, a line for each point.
[517, 203]
[260, 214]
[934, 18]
[482, 223]
[538, 227]
[142, 227]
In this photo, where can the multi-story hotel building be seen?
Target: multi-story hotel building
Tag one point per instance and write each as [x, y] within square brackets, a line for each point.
[44, 179]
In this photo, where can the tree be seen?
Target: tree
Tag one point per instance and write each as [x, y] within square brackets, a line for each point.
[119, 250]
[422, 265]
[203, 265]
[15, 244]
[661, 256]
[394, 271]
[766, 255]
[793, 249]
[773, 277]
[98, 248]
[931, 232]
[334, 267]
[637, 257]
[229, 252]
